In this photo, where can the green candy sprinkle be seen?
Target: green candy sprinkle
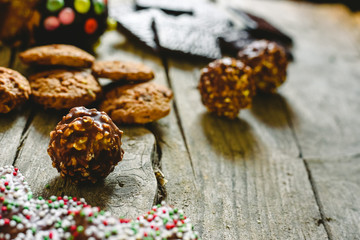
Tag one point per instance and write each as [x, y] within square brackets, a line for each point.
[16, 219]
[134, 230]
[79, 229]
[54, 5]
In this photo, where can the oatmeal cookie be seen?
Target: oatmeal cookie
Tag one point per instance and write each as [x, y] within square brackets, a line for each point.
[139, 104]
[119, 70]
[14, 89]
[62, 88]
[57, 54]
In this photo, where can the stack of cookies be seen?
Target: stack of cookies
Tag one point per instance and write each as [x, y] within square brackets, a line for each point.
[68, 83]
[133, 100]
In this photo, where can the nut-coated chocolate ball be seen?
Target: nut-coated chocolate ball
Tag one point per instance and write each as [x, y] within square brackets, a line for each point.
[269, 63]
[85, 145]
[226, 86]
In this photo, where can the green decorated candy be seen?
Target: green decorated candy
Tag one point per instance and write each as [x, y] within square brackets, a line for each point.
[82, 6]
[99, 6]
[54, 5]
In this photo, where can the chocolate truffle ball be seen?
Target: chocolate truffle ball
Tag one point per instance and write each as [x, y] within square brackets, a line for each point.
[268, 61]
[85, 145]
[226, 86]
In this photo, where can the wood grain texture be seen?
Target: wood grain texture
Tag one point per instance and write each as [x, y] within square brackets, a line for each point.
[338, 184]
[174, 161]
[128, 191]
[11, 124]
[251, 183]
[322, 88]
[322, 93]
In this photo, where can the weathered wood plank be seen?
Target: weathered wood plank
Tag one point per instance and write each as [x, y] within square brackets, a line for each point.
[322, 88]
[250, 181]
[11, 124]
[174, 160]
[129, 191]
[323, 92]
[338, 186]
[131, 188]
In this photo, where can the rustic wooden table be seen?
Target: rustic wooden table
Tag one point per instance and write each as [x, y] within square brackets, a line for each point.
[289, 168]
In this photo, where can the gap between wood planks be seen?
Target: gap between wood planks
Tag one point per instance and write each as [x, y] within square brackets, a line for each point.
[155, 157]
[323, 219]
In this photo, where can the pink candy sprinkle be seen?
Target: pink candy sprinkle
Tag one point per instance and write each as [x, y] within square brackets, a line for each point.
[67, 16]
[51, 23]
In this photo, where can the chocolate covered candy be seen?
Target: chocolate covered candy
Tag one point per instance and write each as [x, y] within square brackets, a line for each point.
[85, 145]
[24, 217]
[269, 63]
[226, 86]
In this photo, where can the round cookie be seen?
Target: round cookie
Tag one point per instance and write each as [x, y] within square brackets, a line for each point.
[119, 70]
[57, 54]
[226, 86]
[269, 63]
[14, 89]
[139, 104]
[61, 88]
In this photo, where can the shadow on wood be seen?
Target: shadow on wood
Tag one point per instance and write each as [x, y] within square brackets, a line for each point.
[270, 108]
[221, 132]
[52, 187]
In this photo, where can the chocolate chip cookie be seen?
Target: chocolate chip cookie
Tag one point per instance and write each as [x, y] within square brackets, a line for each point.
[57, 54]
[14, 89]
[119, 70]
[62, 88]
[137, 104]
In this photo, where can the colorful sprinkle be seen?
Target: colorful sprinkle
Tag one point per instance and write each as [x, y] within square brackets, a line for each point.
[51, 23]
[82, 6]
[90, 26]
[67, 16]
[38, 218]
[99, 6]
[54, 5]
